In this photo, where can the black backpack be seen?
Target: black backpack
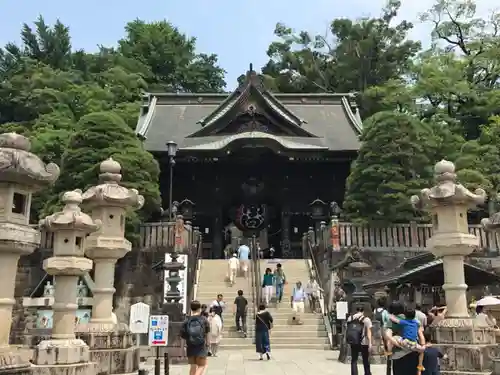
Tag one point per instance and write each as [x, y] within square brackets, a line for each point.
[378, 314]
[217, 309]
[195, 332]
[355, 330]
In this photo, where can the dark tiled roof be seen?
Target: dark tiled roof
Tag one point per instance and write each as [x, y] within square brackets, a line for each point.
[474, 275]
[329, 120]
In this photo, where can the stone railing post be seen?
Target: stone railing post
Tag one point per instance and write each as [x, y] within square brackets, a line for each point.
[21, 174]
[448, 202]
[109, 202]
[70, 227]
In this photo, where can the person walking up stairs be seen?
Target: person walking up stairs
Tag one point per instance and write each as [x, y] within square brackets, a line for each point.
[213, 280]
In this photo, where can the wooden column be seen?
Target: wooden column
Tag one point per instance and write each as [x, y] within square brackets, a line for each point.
[217, 244]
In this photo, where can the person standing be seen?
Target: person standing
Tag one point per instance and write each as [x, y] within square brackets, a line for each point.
[359, 337]
[272, 251]
[194, 331]
[244, 254]
[218, 305]
[313, 293]
[263, 326]
[267, 285]
[298, 305]
[233, 265]
[280, 281]
[215, 335]
[240, 309]
[420, 316]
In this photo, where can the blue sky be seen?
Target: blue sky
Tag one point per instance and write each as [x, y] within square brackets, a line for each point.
[219, 25]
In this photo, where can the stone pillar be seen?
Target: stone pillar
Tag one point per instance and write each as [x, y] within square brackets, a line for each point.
[63, 351]
[468, 347]
[109, 202]
[21, 174]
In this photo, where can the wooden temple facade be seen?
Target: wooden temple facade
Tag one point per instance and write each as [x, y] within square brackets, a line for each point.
[252, 160]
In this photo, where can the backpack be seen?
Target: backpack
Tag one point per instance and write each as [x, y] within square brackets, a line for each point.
[378, 314]
[195, 332]
[355, 330]
[217, 308]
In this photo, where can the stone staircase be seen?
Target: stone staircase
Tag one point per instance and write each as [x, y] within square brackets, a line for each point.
[285, 335]
[212, 281]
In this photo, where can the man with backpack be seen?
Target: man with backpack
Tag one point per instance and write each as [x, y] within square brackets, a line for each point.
[359, 336]
[195, 330]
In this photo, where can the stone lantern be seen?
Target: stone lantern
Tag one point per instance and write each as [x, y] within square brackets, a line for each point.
[109, 202]
[70, 227]
[21, 174]
[448, 203]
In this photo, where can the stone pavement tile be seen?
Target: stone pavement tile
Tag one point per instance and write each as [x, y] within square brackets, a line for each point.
[283, 362]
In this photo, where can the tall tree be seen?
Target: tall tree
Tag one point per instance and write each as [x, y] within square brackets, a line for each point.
[354, 56]
[172, 58]
[392, 164]
[101, 135]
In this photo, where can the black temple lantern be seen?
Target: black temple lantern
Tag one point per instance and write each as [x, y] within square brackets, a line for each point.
[319, 209]
[186, 209]
[335, 209]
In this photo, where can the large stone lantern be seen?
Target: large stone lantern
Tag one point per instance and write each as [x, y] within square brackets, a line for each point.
[63, 352]
[21, 174]
[107, 336]
[467, 346]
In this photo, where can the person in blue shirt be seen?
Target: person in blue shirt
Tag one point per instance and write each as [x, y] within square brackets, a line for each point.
[298, 298]
[244, 254]
[267, 285]
[432, 357]
[409, 332]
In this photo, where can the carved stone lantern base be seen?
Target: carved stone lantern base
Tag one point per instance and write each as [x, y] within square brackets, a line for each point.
[12, 363]
[470, 349]
[63, 357]
[113, 350]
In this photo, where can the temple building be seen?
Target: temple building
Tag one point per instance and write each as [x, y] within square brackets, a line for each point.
[252, 159]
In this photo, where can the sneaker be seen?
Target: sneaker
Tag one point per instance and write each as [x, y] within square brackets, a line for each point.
[268, 356]
[244, 334]
[239, 330]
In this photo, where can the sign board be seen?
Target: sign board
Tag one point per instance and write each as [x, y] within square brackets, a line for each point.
[139, 318]
[342, 309]
[158, 330]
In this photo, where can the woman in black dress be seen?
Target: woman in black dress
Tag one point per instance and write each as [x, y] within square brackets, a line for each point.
[263, 325]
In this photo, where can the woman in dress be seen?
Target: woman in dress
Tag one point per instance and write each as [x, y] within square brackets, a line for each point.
[215, 334]
[263, 325]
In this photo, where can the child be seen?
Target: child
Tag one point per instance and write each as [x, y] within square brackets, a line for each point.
[409, 337]
[432, 355]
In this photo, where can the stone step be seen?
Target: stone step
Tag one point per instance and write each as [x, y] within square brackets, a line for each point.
[231, 327]
[227, 341]
[251, 346]
[280, 333]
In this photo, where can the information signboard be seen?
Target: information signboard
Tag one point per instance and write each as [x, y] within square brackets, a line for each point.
[158, 330]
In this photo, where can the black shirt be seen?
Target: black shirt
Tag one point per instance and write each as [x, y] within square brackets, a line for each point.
[263, 321]
[431, 361]
[241, 304]
[195, 350]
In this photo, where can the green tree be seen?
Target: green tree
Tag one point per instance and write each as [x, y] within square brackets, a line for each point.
[354, 57]
[171, 55]
[101, 135]
[392, 165]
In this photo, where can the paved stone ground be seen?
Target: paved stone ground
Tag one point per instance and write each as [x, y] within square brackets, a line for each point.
[283, 362]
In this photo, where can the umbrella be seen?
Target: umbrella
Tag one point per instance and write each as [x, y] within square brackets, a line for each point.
[488, 301]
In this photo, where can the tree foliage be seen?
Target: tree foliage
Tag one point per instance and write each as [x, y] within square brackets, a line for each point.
[80, 108]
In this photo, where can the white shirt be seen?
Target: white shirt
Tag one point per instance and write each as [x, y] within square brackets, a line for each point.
[218, 303]
[234, 263]
[312, 288]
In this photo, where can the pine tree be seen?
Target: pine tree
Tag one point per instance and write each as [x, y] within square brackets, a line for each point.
[392, 165]
[101, 135]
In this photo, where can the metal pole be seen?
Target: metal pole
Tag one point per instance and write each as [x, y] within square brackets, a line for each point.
[157, 361]
[166, 363]
[171, 163]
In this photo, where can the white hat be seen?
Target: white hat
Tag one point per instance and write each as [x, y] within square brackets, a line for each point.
[234, 255]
